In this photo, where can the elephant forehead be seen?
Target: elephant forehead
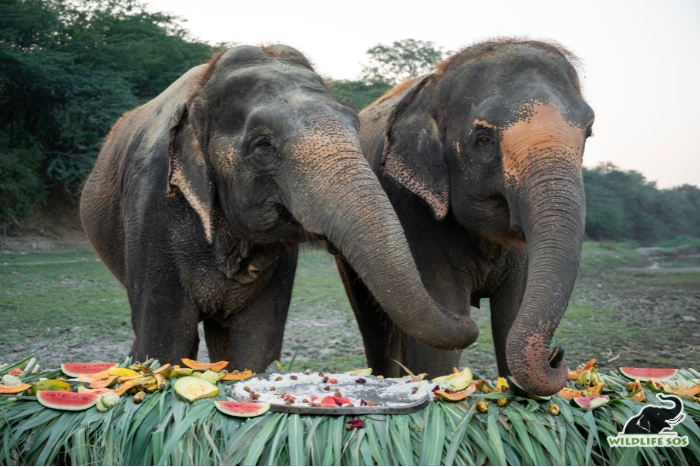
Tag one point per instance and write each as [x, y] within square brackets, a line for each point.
[540, 128]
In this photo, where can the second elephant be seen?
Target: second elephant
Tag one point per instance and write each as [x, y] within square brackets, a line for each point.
[481, 160]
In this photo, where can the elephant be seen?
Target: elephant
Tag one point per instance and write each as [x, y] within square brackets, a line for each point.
[481, 159]
[199, 199]
[654, 419]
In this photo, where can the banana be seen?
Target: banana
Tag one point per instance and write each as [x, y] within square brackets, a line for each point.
[139, 397]
[553, 409]
[178, 372]
[584, 379]
[152, 389]
[144, 381]
[160, 380]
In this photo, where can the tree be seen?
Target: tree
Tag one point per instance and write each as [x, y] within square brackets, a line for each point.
[357, 94]
[70, 68]
[400, 60]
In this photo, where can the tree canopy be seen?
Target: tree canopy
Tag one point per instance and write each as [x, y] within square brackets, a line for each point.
[401, 60]
[69, 70]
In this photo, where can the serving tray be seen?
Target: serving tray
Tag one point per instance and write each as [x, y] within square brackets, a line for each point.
[390, 396]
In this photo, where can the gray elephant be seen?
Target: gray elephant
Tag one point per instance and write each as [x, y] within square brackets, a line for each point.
[481, 160]
[199, 199]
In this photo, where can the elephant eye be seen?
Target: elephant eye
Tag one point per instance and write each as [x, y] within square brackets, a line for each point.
[263, 143]
[483, 139]
[263, 151]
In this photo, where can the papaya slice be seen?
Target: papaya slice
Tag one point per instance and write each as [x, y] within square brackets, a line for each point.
[691, 391]
[456, 396]
[125, 387]
[201, 366]
[237, 376]
[637, 387]
[104, 383]
[569, 394]
[574, 374]
[14, 389]
[597, 389]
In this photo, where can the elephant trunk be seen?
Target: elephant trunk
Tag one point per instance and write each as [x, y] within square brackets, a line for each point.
[336, 194]
[551, 214]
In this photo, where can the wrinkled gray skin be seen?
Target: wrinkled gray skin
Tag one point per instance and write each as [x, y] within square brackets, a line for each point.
[482, 162]
[199, 199]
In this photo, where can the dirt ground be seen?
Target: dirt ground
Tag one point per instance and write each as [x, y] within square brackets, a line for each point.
[622, 316]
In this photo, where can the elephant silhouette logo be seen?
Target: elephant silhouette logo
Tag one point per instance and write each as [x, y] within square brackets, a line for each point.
[654, 419]
[652, 426]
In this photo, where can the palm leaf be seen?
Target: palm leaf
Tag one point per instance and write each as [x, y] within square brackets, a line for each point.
[166, 430]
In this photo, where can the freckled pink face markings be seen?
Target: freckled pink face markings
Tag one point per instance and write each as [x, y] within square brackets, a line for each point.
[541, 129]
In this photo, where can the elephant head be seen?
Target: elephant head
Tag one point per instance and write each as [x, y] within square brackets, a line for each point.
[495, 136]
[261, 141]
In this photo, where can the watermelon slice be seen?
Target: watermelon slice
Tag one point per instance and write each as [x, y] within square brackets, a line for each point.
[646, 374]
[62, 400]
[589, 402]
[77, 369]
[242, 409]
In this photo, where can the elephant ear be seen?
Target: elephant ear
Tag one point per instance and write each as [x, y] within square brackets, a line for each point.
[188, 170]
[412, 153]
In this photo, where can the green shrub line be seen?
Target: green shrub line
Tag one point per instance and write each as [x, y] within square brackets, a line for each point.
[164, 430]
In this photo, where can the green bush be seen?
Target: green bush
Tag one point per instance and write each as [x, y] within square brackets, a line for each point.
[69, 70]
[21, 187]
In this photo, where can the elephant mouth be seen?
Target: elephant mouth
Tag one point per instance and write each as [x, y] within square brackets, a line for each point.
[286, 216]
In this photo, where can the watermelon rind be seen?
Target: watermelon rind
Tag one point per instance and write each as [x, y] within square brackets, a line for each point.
[61, 400]
[519, 391]
[584, 402]
[646, 374]
[77, 369]
[243, 409]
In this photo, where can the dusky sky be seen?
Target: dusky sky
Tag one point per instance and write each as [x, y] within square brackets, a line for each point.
[641, 59]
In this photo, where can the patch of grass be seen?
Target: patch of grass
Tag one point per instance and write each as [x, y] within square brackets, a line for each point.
[596, 255]
[683, 240]
[61, 307]
[67, 306]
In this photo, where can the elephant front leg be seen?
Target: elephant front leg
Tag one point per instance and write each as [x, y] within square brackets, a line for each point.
[256, 332]
[164, 321]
